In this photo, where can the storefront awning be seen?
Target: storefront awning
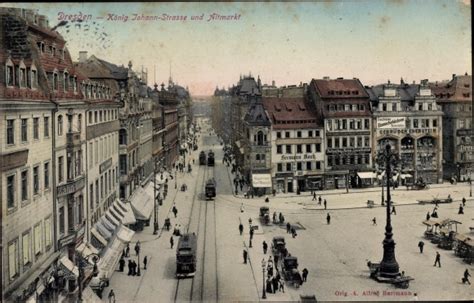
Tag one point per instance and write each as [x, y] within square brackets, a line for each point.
[395, 177]
[98, 236]
[111, 218]
[108, 262]
[125, 211]
[404, 176]
[71, 270]
[261, 180]
[142, 204]
[89, 296]
[85, 250]
[367, 175]
[125, 234]
[107, 224]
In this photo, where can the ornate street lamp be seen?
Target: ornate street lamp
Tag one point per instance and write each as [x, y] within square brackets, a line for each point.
[155, 202]
[388, 266]
[95, 259]
[264, 266]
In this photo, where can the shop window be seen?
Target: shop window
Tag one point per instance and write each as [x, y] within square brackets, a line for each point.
[279, 167]
[308, 165]
[278, 135]
[279, 149]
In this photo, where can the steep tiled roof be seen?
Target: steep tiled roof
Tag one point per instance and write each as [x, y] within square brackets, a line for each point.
[257, 115]
[339, 88]
[458, 89]
[290, 113]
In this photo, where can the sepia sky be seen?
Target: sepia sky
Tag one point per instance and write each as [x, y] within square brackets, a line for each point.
[288, 42]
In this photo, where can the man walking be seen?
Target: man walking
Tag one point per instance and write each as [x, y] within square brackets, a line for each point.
[463, 201]
[265, 247]
[121, 264]
[393, 212]
[129, 267]
[245, 256]
[466, 277]
[127, 250]
[145, 262]
[461, 210]
[314, 196]
[319, 200]
[420, 245]
[137, 248]
[251, 233]
[111, 295]
[241, 228]
[428, 216]
[305, 274]
[171, 242]
[328, 219]
[437, 260]
[374, 220]
[325, 204]
[175, 211]
[288, 227]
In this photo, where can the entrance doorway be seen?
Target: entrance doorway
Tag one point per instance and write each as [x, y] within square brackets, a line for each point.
[301, 185]
[290, 186]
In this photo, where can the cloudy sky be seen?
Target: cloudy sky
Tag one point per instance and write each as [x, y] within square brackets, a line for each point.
[287, 42]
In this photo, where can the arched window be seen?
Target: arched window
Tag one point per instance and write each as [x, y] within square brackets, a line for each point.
[60, 125]
[260, 138]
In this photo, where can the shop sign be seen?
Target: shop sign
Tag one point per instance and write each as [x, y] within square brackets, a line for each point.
[466, 148]
[261, 180]
[71, 187]
[465, 132]
[391, 122]
[298, 157]
[67, 240]
[407, 131]
[347, 150]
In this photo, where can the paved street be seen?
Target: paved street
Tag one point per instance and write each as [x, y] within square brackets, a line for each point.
[335, 254]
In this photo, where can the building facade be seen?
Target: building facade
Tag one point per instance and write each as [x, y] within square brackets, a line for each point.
[170, 117]
[344, 105]
[407, 117]
[455, 99]
[297, 144]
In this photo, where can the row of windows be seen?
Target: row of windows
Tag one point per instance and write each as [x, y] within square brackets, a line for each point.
[75, 215]
[308, 148]
[102, 149]
[25, 130]
[22, 182]
[345, 107]
[132, 162]
[95, 91]
[357, 141]
[108, 181]
[99, 116]
[51, 50]
[299, 134]
[32, 243]
[348, 160]
[68, 82]
[21, 76]
[395, 106]
[347, 124]
[298, 166]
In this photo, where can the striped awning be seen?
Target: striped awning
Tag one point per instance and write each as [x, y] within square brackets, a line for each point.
[70, 270]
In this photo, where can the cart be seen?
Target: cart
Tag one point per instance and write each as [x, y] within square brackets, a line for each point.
[278, 245]
[265, 214]
[289, 268]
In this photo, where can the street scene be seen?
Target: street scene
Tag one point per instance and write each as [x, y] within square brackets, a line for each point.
[236, 152]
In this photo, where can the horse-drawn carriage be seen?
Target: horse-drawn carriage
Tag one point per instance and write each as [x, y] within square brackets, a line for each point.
[418, 185]
[265, 214]
[289, 268]
[278, 245]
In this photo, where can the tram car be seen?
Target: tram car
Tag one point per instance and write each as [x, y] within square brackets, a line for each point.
[186, 256]
[210, 158]
[210, 189]
[202, 158]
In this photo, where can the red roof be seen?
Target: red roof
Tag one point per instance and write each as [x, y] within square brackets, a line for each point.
[339, 88]
[290, 113]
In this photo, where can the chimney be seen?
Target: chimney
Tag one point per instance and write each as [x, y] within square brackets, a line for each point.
[42, 21]
[454, 75]
[401, 81]
[326, 78]
[82, 56]
[273, 82]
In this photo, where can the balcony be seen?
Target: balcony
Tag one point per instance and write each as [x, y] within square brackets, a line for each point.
[71, 186]
[73, 139]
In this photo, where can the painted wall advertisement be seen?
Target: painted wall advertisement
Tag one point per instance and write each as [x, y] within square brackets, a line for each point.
[391, 122]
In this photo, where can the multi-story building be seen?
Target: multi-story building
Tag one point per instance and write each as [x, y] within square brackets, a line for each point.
[297, 144]
[288, 91]
[257, 147]
[170, 116]
[344, 105]
[221, 117]
[246, 89]
[455, 99]
[145, 151]
[407, 117]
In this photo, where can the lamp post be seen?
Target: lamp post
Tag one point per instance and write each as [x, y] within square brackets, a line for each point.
[175, 179]
[81, 271]
[264, 266]
[470, 183]
[138, 265]
[383, 199]
[388, 266]
[155, 202]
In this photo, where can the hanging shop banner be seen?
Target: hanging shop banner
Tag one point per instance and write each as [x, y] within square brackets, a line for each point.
[261, 180]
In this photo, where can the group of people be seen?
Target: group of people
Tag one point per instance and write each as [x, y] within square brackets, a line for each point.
[320, 199]
[133, 269]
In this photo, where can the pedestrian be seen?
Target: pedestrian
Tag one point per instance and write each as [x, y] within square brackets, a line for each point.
[267, 199]
[137, 247]
[145, 262]
[274, 217]
[245, 256]
[250, 222]
[269, 286]
[466, 277]
[251, 233]
[111, 295]
[420, 245]
[325, 204]
[134, 268]
[328, 219]
[319, 200]
[276, 261]
[393, 212]
[374, 220]
[314, 196]
[293, 232]
[305, 274]
[288, 227]
[463, 201]
[171, 242]
[175, 211]
[129, 267]
[461, 210]
[241, 228]
[121, 264]
[127, 250]
[242, 207]
[428, 216]
[282, 285]
[275, 285]
[282, 219]
[265, 247]
[437, 260]
[415, 297]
